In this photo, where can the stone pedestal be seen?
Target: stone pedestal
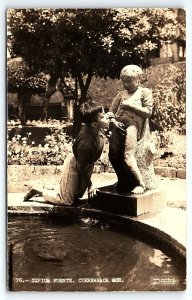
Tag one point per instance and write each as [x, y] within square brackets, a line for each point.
[109, 200]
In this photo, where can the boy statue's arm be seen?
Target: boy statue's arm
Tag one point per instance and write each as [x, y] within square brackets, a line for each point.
[111, 114]
[145, 110]
[115, 104]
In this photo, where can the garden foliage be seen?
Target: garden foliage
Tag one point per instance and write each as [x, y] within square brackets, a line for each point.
[22, 78]
[169, 95]
[23, 150]
[86, 42]
[25, 81]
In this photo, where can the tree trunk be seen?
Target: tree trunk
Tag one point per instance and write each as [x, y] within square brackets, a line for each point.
[84, 89]
[51, 89]
[76, 121]
[22, 99]
[76, 117]
[44, 115]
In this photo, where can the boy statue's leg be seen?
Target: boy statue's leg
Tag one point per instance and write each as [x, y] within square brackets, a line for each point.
[130, 160]
[116, 152]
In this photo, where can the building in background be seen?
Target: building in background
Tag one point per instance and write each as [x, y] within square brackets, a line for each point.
[175, 50]
[60, 107]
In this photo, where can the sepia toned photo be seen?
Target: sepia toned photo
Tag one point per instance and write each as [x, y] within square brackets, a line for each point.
[96, 149]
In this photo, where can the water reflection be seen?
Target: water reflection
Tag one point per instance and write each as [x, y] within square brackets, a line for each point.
[52, 255]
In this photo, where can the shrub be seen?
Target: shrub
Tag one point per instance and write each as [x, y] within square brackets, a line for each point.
[22, 78]
[170, 102]
[21, 150]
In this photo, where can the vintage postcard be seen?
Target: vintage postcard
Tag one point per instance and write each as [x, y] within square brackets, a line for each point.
[96, 159]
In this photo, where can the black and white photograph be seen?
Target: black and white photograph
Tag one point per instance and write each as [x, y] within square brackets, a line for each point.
[96, 149]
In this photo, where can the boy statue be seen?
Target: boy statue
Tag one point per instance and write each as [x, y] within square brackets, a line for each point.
[130, 150]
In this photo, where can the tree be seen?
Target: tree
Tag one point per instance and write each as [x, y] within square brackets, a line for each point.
[86, 42]
[23, 81]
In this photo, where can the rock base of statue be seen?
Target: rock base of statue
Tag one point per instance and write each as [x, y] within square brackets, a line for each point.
[108, 199]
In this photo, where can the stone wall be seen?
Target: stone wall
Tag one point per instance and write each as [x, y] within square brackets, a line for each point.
[14, 170]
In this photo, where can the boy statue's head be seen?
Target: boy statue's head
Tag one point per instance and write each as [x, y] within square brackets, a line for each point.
[130, 76]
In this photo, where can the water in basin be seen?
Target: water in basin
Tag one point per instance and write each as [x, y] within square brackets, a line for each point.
[52, 255]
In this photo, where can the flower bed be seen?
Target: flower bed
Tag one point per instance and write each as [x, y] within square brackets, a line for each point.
[24, 147]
